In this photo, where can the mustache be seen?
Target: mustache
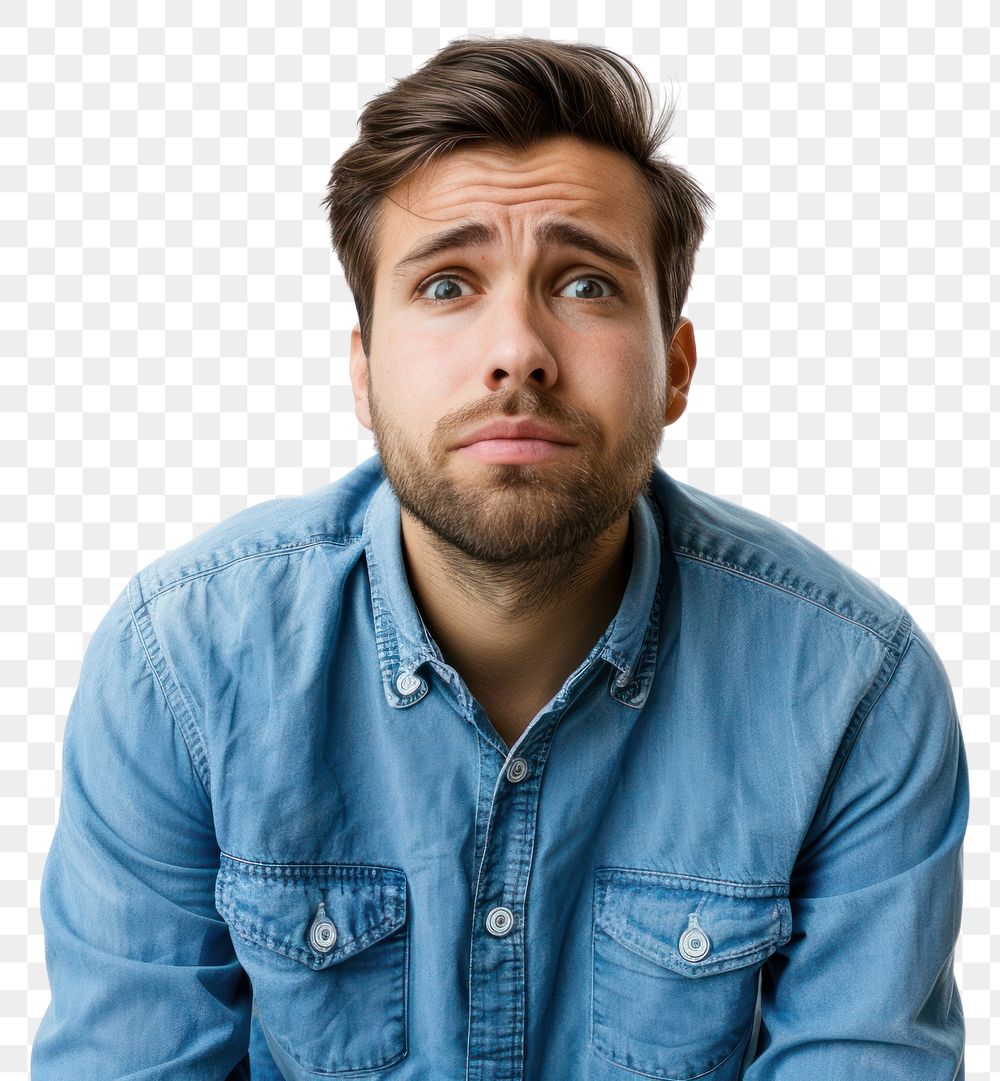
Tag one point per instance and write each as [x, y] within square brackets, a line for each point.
[522, 402]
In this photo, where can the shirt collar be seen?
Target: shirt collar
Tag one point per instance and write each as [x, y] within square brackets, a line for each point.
[404, 643]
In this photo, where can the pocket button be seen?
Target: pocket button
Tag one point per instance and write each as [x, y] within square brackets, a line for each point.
[694, 944]
[322, 933]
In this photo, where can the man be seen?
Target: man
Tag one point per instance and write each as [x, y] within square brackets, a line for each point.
[507, 756]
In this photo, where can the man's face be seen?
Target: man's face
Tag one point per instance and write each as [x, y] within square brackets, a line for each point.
[520, 328]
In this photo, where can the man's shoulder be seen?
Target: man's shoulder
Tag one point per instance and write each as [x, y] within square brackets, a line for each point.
[719, 535]
[332, 515]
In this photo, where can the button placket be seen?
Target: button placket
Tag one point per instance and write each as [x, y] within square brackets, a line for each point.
[505, 842]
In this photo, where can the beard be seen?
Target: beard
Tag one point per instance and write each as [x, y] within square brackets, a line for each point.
[538, 520]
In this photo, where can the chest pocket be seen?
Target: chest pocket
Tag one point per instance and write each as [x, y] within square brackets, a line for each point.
[326, 947]
[675, 964]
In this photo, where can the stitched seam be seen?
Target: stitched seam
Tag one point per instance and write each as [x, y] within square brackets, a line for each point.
[291, 876]
[193, 740]
[282, 549]
[877, 687]
[302, 869]
[258, 934]
[729, 568]
[717, 961]
[765, 889]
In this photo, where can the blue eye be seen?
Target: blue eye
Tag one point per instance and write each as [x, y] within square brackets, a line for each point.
[447, 290]
[591, 279]
[441, 295]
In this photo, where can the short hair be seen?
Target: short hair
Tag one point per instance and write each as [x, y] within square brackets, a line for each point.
[512, 92]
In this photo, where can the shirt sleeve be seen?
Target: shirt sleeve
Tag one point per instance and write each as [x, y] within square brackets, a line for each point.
[865, 987]
[143, 975]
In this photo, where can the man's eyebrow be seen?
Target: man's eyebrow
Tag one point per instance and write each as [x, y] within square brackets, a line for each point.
[475, 234]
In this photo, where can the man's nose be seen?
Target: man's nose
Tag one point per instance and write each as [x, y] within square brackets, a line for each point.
[514, 340]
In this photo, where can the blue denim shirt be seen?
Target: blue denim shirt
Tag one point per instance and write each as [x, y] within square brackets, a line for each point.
[292, 844]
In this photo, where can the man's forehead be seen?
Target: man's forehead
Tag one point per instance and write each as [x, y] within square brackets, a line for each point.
[548, 231]
[558, 169]
[560, 180]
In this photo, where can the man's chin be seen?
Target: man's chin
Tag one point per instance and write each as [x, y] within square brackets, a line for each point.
[505, 474]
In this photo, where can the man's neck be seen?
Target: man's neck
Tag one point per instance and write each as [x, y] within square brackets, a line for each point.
[518, 631]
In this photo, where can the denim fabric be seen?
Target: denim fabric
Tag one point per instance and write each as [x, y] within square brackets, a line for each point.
[292, 845]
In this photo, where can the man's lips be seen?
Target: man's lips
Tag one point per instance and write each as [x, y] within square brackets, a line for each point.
[514, 430]
[514, 450]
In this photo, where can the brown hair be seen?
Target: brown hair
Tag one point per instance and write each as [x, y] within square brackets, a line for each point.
[513, 92]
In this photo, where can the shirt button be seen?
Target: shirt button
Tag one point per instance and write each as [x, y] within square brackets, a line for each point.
[694, 943]
[517, 770]
[322, 933]
[500, 921]
[407, 683]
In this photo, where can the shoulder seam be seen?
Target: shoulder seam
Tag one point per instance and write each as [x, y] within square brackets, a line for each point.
[281, 549]
[896, 650]
[179, 709]
[728, 568]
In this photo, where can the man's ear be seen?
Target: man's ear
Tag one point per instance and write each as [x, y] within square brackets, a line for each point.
[359, 378]
[683, 360]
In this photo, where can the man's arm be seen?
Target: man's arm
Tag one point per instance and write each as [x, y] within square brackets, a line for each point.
[865, 986]
[144, 979]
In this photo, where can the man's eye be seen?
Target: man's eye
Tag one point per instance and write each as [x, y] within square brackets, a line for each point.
[587, 292]
[445, 289]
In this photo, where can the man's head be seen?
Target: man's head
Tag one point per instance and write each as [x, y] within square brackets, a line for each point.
[559, 301]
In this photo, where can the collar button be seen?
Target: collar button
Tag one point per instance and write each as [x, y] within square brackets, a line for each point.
[407, 683]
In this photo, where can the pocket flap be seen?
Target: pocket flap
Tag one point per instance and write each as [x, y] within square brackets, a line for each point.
[650, 912]
[274, 905]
